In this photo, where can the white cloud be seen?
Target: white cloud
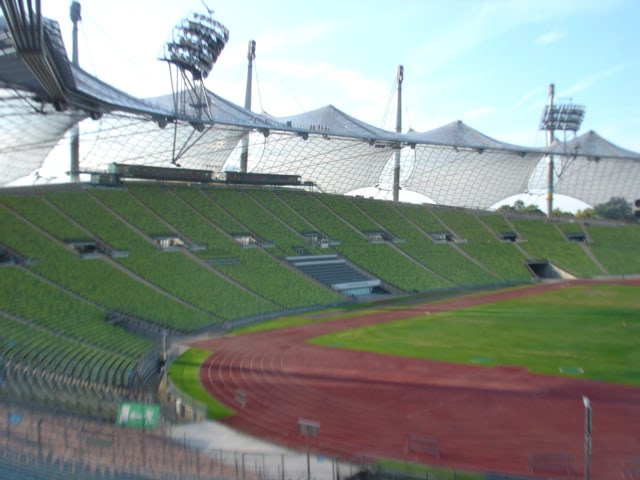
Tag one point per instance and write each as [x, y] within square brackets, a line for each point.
[592, 80]
[551, 37]
[533, 93]
[293, 69]
[478, 112]
[282, 41]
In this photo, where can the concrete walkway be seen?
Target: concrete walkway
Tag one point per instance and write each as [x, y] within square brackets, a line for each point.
[252, 455]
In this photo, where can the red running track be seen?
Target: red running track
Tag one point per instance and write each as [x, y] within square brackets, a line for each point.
[484, 419]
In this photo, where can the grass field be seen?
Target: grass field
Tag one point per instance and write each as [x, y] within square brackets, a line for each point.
[592, 332]
[185, 375]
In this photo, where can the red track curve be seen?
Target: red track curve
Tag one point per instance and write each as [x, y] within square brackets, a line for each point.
[484, 419]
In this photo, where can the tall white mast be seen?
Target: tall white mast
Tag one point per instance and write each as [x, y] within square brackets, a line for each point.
[244, 154]
[74, 168]
[565, 118]
[550, 166]
[396, 158]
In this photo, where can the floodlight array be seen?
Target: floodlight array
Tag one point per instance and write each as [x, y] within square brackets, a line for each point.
[197, 44]
[566, 117]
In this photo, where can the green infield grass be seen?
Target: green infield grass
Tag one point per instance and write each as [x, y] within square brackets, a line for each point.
[590, 332]
[355, 310]
[315, 317]
[418, 471]
[184, 373]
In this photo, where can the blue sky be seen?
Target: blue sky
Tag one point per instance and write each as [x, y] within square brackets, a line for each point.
[485, 62]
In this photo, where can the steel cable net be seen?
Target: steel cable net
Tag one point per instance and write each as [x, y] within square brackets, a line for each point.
[597, 181]
[335, 165]
[125, 138]
[594, 170]
[29, 130]
[464, 177]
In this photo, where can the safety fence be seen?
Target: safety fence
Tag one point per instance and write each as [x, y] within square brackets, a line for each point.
[36, 443]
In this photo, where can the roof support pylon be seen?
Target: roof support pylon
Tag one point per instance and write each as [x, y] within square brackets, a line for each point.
[550, 166]
[74, 166]
[244, 153]
[396, 153]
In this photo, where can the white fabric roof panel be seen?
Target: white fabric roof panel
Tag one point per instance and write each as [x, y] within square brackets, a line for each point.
[329, 120]
[591, 145]
[334, 164]
[336, 151]
[452, 165]
[29, 131]
[124, 138]
[595, 181]
[456, 165]
[461, 135]
[467, 177]
[221, 112]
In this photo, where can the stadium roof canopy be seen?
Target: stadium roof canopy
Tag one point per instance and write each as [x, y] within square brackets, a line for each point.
[592, 168]
[457, 165]
[42, 95]
[594, 147]
[337, 152]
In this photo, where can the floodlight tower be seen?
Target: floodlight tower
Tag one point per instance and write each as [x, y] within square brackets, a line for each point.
[195, 47]
[397, 152]
[74, 168]
[244, 154]
[567, 117]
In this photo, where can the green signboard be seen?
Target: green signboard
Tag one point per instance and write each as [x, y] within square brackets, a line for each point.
[137, 415]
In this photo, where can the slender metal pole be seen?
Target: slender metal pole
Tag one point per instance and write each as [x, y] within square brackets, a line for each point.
[74, 166]
[587, 437]
[308, 460]
[396, 158]
[244, 154]
[165, 357]
[550, 166]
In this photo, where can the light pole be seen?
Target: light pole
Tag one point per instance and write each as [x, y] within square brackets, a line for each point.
[165, 357]
[76, 16]
[587, 436]
[567, 117]
[397, 153]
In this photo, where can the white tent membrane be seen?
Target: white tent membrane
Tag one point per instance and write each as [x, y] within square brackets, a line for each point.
[124, 138]
[600, 170]
[458, 166]
[336, 152]
[452, 165]
[29, 130]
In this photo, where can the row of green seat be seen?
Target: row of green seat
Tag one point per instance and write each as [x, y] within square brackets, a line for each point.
[545, 241]
[172, 272]
[285, 288]
[54, 306]
[443, 258]
[101, 281]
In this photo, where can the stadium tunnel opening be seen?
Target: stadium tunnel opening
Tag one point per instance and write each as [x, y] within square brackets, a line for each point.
[545, 270]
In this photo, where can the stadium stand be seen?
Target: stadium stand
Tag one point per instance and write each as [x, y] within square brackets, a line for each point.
[337, 274]
[153, 290]
[443, 258]
[60, 333]
[172, 272]
[615, 247]
[502, 259]
[381, 260]
[94, 276]
[544, 241]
